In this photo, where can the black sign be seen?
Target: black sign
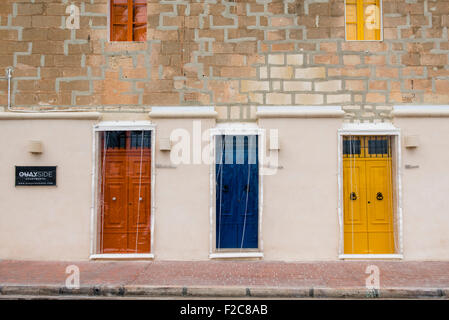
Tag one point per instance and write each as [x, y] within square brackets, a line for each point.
[35, 176]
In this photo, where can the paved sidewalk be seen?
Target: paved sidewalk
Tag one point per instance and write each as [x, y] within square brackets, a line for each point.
[238, 279]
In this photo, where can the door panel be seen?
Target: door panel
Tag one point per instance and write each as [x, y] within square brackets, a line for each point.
[115, 242]
[143, 242]
[379, 193]
[380, 208]
[227, 235]
[135, 164]
[355, 242]
[139, 209]
[115, 165]
[115, 198]
[354, 193]
[381, 242]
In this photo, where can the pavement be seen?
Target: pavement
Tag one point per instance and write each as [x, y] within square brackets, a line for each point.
[225, 279]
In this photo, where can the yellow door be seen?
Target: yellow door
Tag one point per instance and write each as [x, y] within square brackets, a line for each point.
[355, 219]
[368, 196]
[379, 206]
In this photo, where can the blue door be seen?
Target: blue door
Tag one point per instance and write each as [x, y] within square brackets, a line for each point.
[237, 191]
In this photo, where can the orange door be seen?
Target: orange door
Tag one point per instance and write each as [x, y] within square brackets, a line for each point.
[126, 189]
[139, 195]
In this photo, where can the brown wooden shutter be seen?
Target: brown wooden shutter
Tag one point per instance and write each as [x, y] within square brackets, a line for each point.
[128, 20]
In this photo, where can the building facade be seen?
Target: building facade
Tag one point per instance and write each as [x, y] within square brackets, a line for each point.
[211, 129]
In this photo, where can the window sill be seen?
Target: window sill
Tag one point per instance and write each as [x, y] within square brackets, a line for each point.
[232, 255]
[370, 256]
[127, 41]
[122, 256]
[380, 40]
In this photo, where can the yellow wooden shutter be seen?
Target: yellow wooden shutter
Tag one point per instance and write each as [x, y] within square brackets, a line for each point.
[362, 20]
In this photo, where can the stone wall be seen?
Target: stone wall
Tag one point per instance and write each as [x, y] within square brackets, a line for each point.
[234, 55]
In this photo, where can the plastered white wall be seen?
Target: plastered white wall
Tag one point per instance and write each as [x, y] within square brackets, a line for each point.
[46, 222]
[300, 219]
[425, 188]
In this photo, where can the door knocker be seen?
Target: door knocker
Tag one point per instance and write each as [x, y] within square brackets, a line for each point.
[353, 196]
[380, 196]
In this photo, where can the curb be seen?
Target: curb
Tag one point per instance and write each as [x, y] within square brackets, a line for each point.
[223, 292]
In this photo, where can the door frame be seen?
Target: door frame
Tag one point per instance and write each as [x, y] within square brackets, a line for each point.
[372, 129]
[235, 129]
[118, 126]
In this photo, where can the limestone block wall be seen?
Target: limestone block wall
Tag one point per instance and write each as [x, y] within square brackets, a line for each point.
[235, 55]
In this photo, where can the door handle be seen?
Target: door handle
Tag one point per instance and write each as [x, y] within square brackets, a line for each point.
[225, 188]
[380, 196]
[114, 198]
[353, 196]
[140, 199]
[246, 188]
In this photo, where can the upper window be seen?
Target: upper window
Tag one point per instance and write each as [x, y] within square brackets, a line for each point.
[363, 20]
[128, 20]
